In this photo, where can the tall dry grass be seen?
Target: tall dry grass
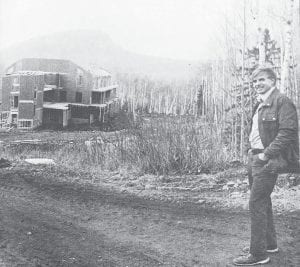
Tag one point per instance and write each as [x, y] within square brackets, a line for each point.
[179, 145]
[159, 145]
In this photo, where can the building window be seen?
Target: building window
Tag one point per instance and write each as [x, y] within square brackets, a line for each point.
[35, 92]
[78, 97]
[16, 80]
[97, 98]
[14, 119]
[15, 101]
[80, 80]
[97, 82]
[63, 96]
[48, 96]
[25, 124]
[107, 95]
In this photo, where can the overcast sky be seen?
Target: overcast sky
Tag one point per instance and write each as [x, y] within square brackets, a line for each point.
[180, 29]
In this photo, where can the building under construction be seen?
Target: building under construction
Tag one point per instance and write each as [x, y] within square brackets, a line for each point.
[55, 92]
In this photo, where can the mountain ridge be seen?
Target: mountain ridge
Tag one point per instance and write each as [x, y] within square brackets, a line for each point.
[89, 48]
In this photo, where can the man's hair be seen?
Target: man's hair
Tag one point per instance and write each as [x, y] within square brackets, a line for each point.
[270, 72]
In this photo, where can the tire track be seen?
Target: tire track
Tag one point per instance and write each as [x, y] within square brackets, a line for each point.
[108, 228]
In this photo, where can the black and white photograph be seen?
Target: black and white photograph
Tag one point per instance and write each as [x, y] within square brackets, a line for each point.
[148, 133]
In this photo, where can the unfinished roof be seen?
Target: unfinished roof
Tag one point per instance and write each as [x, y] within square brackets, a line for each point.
[33, 73]
[100, 72]
[106, 88]
[42, 64]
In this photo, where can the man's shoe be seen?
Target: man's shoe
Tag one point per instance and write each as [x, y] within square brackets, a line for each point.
[247, 250]
[250, 260]
[274, 250]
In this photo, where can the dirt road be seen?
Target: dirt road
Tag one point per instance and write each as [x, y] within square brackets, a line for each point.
[46, 221]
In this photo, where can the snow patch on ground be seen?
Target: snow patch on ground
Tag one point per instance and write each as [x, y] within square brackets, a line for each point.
[40, 161]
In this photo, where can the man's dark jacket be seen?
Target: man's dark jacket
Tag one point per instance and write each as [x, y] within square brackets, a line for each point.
[278, 130]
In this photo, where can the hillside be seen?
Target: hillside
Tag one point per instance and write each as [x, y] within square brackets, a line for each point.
[95, 49]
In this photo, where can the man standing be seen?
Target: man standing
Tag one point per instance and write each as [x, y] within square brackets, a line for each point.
[274, 148]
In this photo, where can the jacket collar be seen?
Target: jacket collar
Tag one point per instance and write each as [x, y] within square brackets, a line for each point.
[268, 102]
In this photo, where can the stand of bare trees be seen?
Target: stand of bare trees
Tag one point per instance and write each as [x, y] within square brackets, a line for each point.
[221, 92]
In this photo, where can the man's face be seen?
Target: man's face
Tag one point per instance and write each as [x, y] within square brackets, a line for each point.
[262, 83]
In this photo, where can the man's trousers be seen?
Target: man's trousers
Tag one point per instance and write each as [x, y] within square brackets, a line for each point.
[262, 182]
